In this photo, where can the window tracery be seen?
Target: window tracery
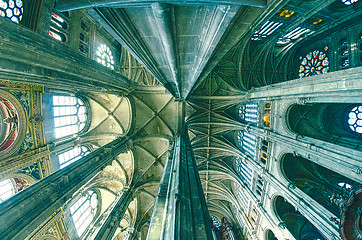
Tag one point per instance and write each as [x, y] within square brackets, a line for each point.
[6, 190]
[72, 155]
[349, 2]
[355, 119]
[314, 63]
[247, 142]
[12, 9]
[84, 210]
[105, 56]
[244, 170]
[58, 28]
[242, 197]
[267, 29]
[249, 112]
[70, 115]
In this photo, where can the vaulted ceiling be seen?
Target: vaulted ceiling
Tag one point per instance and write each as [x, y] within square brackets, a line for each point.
[200, 51]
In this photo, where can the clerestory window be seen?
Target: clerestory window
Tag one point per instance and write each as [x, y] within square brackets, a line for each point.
[70, 115]
[247, 142]
[244, 170]
[249, 112]
[355, 119]
[83, 211]
[72, 155]
[6, 190]
[105, 56]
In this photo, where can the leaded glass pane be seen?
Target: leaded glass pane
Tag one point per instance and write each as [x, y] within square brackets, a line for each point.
[314, 63]
[72, 155]
[267, 29]
[242, 197]
[349, 2]
[6, 190]
[105, 56]
[83, 211]
[244, 170]
[249, 112]
[355, 119]
[69, 115]
[247, 142]
[12, 9]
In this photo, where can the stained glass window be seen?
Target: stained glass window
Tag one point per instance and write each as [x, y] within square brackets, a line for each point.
[349, 2]
[247, 142]
[70, 115]
[12, 9]
[72, 155]
[268, 28]
[58, 27]
[215, 222]
[355, 119]
[314, 63]
[244, 170]
[249, 112]
[57, 35]
[104, 56]
[6, 190]
[83, 211]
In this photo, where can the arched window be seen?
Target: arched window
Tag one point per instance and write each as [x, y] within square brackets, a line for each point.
[72, 155]
[244, 170]
[6, 190]
[215, 222]
[242, 197]
[58, 27]
[293, 35]
[105, 56]
[12, 9]
[70, 115]
[349, 2]
[267, 29]
[247, 142]
[249, 112]
[238, 217]
[314, 63]
[355, 119]
[84, 210]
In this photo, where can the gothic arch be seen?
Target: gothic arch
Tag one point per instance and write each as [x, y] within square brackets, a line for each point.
[318, 182]
[324, 121]
[294, 221]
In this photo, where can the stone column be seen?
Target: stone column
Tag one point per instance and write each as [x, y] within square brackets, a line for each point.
[115, 216]
[180, 210]
[24, 212]
[27, 56]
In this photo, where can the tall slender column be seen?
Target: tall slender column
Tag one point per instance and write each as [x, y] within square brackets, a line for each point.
[112, 221]
[180, 210]
[24, 212]
[27, 56]
[66, 5]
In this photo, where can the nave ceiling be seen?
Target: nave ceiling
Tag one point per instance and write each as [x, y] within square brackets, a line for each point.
[213, 69]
